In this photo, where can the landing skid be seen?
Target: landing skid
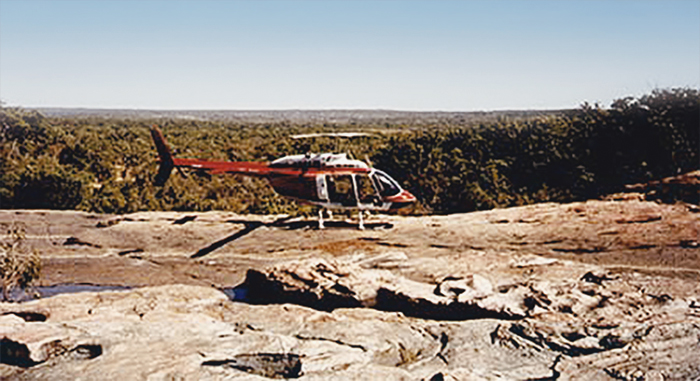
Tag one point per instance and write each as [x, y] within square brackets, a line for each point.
[361, 218]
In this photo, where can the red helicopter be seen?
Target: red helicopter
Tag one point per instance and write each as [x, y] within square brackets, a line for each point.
[330, 181]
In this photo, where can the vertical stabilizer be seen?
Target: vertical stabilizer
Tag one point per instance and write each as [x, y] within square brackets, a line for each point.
[166, 157]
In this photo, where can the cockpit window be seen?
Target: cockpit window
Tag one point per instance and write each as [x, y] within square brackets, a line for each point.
[386, 185]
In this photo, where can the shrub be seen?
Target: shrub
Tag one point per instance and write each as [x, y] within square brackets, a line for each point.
[20, 265]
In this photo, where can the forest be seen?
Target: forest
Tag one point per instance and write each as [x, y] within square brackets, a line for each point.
[107, 164]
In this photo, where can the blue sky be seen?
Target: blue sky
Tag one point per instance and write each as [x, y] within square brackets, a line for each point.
[400, 55]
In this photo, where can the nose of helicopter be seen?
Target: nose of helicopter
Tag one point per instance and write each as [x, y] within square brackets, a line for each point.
[404, 198]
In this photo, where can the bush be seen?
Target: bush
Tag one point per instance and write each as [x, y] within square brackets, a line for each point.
[19, 264]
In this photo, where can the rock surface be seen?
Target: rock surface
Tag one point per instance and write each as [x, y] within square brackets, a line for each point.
[597, 290]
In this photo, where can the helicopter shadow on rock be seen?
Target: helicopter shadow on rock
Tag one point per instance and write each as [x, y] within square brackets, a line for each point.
[286, 224]
[296, 225]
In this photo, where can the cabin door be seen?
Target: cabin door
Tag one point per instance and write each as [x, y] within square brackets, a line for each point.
[341, 190]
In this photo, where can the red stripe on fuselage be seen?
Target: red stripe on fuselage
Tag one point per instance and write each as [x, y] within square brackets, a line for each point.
[254, 168]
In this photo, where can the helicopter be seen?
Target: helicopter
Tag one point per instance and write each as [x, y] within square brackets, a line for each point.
[328, 180]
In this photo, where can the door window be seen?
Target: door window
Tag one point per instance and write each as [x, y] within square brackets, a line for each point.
[365, 190]
[340, 189]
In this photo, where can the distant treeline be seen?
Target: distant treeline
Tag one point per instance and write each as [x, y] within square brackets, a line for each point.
[364, 118]
[107, 164]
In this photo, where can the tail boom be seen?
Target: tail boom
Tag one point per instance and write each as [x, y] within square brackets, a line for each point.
[168, 162]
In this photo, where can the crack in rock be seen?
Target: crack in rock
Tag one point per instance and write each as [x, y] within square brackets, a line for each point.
[336, 341]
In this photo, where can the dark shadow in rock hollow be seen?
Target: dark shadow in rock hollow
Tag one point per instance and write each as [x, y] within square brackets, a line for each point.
[258, 289]
[14, 353]
[238, 293]
[271, 365]
[86, 351]
[28, 315]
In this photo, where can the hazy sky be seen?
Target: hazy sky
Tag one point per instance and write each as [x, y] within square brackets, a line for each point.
[401, 55]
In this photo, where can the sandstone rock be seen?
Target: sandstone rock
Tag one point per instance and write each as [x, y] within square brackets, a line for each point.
[188, 332]
[26, 344]
[577, 317]
[330, 284]
[589, 290]
[465, 289]
[660, 352]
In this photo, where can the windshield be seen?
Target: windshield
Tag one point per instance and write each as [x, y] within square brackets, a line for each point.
[385, 184]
